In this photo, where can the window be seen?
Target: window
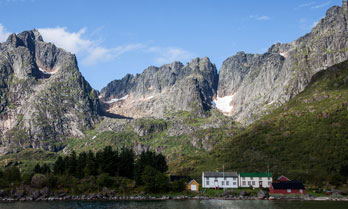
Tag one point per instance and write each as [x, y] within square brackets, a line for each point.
[253, 183]
[243, 183]
[301, 191]
[225, 178]
[251, 178]
[249, 183]
[269, 178]
[243, 178]
[289, 190]
[207, 183]
[222, 183]
[227, 183]
[235, 183]
[269, 183]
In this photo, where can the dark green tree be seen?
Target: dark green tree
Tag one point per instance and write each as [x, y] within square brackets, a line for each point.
[59, 166]
[154, 180]
[91, 168]
[126, 163]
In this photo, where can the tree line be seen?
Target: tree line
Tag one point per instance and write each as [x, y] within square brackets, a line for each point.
[147, 170]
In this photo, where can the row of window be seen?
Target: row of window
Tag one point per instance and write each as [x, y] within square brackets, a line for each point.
[256, 178]
[252, 183]
[225, 178]
[223, 183]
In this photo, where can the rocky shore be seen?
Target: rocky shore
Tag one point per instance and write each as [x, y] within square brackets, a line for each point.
[106, 195]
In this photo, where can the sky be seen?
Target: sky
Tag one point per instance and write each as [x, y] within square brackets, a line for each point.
[113, 38]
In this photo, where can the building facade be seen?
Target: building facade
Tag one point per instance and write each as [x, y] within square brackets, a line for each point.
[286, 186]
[219, 180]
[255, 180]
[193, 186]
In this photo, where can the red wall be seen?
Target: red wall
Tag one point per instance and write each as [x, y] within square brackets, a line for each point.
[284, 191]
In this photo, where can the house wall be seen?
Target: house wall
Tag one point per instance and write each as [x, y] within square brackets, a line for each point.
[193, 183]
[228, 182]
[255, 182]
[285, 191]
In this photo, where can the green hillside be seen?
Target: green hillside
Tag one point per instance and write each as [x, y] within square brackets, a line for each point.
[304, 139]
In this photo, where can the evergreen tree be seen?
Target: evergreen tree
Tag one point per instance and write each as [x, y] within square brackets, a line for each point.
[91, 168]
[126, 163]
[81, 164]
[59, 166]
[71, 164]
[37, 168]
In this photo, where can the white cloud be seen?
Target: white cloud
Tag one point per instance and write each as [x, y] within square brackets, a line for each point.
[321, 5]
[170, 54]
[99, 53]
[90, 51]
[257, 17]
[3, 33]
[72, 42]
[306, 4]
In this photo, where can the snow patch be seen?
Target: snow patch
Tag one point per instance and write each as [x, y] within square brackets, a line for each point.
[150, 97]
[223, 103]
[47, 73]
[271, 103]
[284, 54]
[94, 137]
[117, 99]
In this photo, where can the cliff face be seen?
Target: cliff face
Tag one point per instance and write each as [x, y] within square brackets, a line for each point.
[160, 91]
[251, 84]
[43, 96]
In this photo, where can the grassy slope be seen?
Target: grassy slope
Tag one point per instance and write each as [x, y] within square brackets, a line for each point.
[305, 139]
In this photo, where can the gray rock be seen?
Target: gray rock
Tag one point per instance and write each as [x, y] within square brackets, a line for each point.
[39, 181]
[261, 82]
[162, 90]
[43, 96]
[262, 194]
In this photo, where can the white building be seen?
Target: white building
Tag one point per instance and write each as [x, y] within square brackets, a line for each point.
[219, 180]
[255, 180]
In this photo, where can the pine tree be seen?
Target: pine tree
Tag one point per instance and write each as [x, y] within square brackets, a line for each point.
[59, 166]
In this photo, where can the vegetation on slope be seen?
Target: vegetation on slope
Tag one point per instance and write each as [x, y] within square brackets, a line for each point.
[305, 139]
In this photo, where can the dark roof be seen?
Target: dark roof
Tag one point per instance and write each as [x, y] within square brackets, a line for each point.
[288, 185]
[255, 174]
[220, 174]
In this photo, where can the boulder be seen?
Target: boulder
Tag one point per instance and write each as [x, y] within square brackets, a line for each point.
[38, 181]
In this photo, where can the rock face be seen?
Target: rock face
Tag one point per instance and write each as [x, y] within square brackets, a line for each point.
[43, 96]
[250, 84]
[162, 90]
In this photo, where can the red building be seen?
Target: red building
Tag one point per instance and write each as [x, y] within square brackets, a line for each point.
[286, 186]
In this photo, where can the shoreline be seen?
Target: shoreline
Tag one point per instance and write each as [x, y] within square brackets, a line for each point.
[96, 197]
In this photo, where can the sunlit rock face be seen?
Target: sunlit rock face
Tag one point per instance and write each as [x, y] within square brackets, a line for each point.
[159, 91]
[43, 97]
[260, 82]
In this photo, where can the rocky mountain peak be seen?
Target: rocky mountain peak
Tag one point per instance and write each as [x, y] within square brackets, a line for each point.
[161, 90]
[252, 84]
[43, 96]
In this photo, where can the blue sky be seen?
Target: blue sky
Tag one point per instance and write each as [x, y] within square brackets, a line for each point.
[113, 38]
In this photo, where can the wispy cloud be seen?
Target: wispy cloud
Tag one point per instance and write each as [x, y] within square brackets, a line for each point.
[258, 17]
[90, 51]
[170, 54]
[318, 6]
[306, 4]
[3, 33]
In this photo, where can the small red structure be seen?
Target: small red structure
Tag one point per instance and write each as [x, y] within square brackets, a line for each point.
[286, 186]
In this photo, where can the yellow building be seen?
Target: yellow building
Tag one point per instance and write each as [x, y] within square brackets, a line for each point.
[193, 186]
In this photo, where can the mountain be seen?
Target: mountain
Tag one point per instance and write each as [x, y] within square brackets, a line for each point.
[44, 99]
[252, 84]
[159, 91]
[304, 139]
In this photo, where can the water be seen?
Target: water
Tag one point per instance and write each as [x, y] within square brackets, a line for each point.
[178, 204]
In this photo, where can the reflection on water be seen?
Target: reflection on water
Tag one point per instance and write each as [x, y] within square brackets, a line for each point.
[178, 204]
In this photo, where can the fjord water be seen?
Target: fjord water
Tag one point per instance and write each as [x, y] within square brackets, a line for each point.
[179, 204]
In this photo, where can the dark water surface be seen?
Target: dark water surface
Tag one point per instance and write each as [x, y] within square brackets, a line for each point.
[179, 204]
